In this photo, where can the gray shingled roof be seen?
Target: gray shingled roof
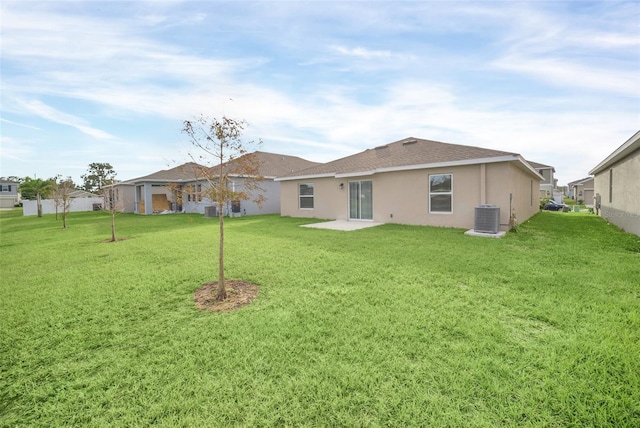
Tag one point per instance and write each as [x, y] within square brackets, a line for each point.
[538, 165]
[579, 181]
[403, 153]
[271, 165]
[276, 165]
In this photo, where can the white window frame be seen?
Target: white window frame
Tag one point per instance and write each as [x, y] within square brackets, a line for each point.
[312, 196]
[450, 193]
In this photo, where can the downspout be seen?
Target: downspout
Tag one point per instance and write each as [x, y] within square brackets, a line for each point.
[483, 184]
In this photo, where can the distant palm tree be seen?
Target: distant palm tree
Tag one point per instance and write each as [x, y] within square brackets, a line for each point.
[37, 187]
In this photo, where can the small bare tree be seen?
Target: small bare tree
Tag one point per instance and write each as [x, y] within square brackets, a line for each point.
[221, 150]
[114, 205]
[55, 194]
[61, 195]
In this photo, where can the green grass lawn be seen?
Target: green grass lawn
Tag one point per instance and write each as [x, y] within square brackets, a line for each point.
[387, 326]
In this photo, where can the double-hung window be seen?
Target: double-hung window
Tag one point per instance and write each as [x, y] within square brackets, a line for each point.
[305, 196]
[441, 193]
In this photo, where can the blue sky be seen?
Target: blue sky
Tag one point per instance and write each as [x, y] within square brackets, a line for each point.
[89, 81]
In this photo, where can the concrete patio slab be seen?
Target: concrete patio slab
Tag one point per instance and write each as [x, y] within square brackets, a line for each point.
[472, 232]
[342, 225]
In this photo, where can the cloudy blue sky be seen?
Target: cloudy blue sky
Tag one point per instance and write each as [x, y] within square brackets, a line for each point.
[90, 81]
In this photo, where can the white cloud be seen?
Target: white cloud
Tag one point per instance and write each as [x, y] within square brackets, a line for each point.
[559, 72]
[360, 52]
[11, 149]
[47, 112]
[557, 49]
[355, 91]
[19, 124]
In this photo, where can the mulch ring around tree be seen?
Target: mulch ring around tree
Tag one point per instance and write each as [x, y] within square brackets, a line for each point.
[239, 294]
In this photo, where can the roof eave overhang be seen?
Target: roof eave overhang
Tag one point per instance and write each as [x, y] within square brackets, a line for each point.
[630, 146]
[166, 181]
[181, 180]
[463, 162]
[306, 177]
[530, 168]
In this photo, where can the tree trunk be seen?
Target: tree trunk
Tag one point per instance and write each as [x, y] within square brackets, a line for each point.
[113, 225]
[222, 290]
[64, 212]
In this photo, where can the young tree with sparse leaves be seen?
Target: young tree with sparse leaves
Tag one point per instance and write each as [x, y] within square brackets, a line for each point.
[56, 195]
[114, 205]
[64, 188]
[220, 149]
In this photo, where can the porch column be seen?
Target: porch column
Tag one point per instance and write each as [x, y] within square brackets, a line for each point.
[136, 199]
[148, 198]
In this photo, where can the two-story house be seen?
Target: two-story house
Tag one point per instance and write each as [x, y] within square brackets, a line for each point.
[9, 196]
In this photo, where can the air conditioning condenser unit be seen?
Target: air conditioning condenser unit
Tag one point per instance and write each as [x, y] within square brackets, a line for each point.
[211, 211]
[487, 219]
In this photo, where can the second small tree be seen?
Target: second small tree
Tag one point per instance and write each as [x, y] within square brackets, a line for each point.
[219, 147]
[61, 195]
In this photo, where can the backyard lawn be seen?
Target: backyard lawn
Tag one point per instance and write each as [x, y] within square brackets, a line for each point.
[387, 326]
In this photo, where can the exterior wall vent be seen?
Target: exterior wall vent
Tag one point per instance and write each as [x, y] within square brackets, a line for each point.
[487, 219]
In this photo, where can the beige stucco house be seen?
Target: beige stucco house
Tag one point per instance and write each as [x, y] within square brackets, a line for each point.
[415, 181]
[582, 190]
[183, 188]
[617, 186]
[549, 183]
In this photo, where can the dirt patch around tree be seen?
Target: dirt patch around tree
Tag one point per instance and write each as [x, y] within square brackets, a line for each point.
[108, 241]
[239, 294]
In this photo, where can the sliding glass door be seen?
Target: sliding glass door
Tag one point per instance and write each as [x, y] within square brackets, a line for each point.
[361, 200]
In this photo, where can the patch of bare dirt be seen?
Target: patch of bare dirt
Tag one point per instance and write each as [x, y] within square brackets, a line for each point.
[239, 294]
[106, 241]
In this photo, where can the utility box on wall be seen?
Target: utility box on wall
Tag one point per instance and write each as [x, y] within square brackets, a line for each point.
[211, 211]
[487, 219]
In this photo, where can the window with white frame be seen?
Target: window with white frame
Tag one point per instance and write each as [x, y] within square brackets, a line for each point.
[305, 196]
[441, 193]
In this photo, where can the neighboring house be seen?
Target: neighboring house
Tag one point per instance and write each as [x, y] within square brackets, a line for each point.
[564, 190]
[549, 184]
[582, 190]
[9, 196]
[617, 186]
[152, 193]
[415, 181]
[183, 188]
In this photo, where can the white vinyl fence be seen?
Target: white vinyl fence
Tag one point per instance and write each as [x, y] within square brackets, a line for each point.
[49, 207]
